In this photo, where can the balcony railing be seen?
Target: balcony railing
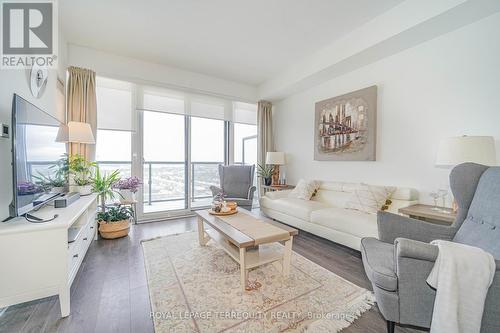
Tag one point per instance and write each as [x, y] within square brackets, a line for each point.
[167, 181]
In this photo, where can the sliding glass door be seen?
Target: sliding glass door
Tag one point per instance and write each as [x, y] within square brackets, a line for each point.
[181, 155]
[164, 162]
[207, 148]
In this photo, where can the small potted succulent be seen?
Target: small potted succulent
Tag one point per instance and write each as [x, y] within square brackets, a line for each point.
[81, 172]
[265, 172]
[114, 222]
[127, 187]
[53, 184]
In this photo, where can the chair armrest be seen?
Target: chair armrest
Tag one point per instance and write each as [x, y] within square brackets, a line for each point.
[251, 192]
[392, 226]
[215, 190]
[273, 195]
[409, 248]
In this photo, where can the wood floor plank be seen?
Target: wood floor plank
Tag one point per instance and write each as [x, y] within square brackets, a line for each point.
[110, 292]
[140, 309]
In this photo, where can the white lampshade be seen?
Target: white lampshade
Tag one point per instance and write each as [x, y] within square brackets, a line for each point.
[276, 158]
[62, 133]
[80, 133]
[456, 150]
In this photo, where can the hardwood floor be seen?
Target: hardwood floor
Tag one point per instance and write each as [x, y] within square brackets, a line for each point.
[110, 292]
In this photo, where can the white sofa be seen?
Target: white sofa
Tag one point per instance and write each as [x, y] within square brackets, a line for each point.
[325, 214]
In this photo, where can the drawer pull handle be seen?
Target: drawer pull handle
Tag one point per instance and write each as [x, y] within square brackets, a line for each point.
[75, 255]
[85, 238]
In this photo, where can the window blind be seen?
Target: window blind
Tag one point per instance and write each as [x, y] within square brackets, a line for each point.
[156, 99]
[245, 113]
[114, 104]
[117, 98]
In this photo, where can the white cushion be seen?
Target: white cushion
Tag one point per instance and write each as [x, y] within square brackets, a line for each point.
[277, 194]
[305, 189]
[332, 198]
[369, 198]
[292, 206]
[338, 186]
[346, 220]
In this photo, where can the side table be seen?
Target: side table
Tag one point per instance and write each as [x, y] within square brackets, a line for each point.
[268, 188]
[427, 213]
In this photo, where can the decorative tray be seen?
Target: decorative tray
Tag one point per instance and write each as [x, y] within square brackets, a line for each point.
[231, 212]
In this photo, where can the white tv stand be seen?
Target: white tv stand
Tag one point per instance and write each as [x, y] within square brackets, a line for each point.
[36, 259]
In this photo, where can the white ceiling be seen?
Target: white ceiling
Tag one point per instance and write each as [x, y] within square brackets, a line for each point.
[246, 41]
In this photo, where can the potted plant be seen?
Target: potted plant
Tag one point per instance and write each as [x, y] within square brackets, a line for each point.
[265, 172]
[81, 172]
[127, 187]
[62, 172]
[114, 222]
[103, 185]
[57, 181]
[54, 184]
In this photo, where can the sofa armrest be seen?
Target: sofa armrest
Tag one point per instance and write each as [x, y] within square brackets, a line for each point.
[273, 195]
[392, 226]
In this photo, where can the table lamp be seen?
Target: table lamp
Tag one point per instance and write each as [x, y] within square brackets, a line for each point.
[275, 158]
[75, 132]
[477, 149]
[456, 150]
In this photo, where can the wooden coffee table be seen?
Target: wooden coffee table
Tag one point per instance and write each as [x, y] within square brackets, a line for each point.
[239, 245]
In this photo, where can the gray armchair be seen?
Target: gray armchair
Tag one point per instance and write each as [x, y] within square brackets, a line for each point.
[236, 182]
[398, 263]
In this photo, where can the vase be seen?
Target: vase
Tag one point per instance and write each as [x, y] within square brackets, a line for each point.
[268, 181]
[59, 189]
[83, 190]
[126, 196]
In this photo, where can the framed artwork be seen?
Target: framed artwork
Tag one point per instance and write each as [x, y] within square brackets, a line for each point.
[345, 127]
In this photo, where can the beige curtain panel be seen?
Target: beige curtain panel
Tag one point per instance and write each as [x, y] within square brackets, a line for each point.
[265, 139]
[82, 106]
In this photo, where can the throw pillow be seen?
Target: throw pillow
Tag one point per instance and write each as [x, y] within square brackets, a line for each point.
[370, 198]
[304, 190]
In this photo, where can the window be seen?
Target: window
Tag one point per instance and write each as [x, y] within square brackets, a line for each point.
[245, 144]
[113, 151]
[114, 126]
[245, 133]
[207, 152]
[164, 167]
[184, 138]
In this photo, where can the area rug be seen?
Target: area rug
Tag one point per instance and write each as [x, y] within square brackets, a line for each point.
[197, 289]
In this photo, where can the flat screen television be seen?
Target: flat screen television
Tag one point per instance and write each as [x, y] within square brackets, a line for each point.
[36, 157]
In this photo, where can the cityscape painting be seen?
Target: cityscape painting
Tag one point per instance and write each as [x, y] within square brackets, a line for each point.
[345, 127]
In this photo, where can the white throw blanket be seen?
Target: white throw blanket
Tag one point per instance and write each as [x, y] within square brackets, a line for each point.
[461, 275]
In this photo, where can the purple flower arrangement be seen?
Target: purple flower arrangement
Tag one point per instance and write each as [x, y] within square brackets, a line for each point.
[26, 188]
[129, 183]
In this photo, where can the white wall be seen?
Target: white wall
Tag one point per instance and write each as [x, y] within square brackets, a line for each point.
[138, 71]
[448, 86]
